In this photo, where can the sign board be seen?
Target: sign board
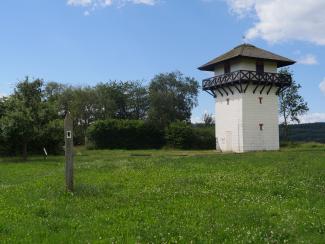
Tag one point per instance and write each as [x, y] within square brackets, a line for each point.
[68, 138]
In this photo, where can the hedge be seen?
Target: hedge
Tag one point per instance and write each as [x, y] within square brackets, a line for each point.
[124, 134]
[183, 136]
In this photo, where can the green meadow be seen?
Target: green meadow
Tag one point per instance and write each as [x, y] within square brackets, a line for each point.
[166, 196]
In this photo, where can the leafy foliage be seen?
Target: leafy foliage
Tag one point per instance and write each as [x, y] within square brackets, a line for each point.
[124, 134]
[26, 119]
[172, 98]
[292, 105]
[184, 136]
[31, 115]
[208, 119]
[179, 135]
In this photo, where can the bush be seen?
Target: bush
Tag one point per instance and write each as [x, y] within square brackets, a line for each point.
[179, 135]
[204, 138]
[51, 136]
[183, 136]
[124, 134]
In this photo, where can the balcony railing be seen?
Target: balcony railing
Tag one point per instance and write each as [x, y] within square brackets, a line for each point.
[246, 77]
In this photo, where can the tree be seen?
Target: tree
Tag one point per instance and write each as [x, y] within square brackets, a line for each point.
[122, 100]
[292, 105]
[172, 97]
[20, 122]
[26, 115]
[208, 119]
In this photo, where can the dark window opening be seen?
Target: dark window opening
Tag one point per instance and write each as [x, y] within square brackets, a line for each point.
[259, 67]
[261, 127]
[228, 101]
[227, 68]
[261, 100]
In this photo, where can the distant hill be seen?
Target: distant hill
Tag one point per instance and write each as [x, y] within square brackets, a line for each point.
[313, 132]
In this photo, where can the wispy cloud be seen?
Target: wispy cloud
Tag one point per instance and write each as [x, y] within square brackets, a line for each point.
[312, 118]
[308, 59]
[279, 20]
[105, 3]
[322, 86]
[92, 5]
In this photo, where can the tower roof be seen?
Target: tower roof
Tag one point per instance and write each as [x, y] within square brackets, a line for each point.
[249, 51]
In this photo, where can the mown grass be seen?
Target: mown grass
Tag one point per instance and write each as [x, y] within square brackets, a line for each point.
[166, 197]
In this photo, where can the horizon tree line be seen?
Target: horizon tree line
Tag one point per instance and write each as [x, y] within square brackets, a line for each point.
[32, 117]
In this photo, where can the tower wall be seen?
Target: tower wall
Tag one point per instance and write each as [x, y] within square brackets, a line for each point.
[238, 123]
[245, 64]
[229, 123]
[256, 114]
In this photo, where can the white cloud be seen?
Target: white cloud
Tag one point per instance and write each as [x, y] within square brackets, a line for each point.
[94, 4]
[279, 20]
[308, 59]
[322, 86]
[312, 118]
[196, 120]
[308, 118]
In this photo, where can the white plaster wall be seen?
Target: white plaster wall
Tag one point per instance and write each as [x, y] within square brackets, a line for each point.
[242, 117]
[250, 64]
[270, 66]
[229, 121]
[254, 114]
[219, 70]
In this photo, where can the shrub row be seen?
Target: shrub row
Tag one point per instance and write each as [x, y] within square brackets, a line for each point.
[50, 137]
[183, 136]
[137, 134]
[124, 134]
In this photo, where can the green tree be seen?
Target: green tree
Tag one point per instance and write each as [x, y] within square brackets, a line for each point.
[208, 119]
[21, 120]
[26, 115]
[292, 104]
[172, 97]
[122, 100]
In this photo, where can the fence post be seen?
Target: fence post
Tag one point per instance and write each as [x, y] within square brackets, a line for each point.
[68, 137]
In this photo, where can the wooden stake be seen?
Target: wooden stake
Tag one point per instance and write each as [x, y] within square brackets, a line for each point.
[68, 135]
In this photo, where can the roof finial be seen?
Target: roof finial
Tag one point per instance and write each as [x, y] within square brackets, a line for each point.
[244, 39]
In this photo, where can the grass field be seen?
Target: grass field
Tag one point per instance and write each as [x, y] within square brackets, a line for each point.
[166, 197]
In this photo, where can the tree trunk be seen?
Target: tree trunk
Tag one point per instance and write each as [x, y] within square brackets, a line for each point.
[25, 151]
[285, 123]
[285, 132]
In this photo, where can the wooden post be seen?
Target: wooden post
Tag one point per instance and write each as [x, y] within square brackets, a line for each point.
[68, 137]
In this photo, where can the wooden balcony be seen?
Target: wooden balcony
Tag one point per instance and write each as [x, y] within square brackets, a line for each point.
[241, 79]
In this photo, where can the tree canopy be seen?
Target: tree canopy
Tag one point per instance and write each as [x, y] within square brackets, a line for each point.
[292, 104]
[172, 98]
[32, 117]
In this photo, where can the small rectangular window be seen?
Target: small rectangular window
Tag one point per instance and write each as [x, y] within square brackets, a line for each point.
[227, 68]
[260, 99]
[228, 101]
[261, 127]
[259, 67]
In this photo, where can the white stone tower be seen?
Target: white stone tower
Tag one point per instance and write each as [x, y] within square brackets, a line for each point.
[246, 86]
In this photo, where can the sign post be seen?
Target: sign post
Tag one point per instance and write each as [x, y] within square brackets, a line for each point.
[68, 137]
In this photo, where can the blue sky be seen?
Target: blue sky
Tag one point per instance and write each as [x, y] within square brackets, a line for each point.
[83, 42]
